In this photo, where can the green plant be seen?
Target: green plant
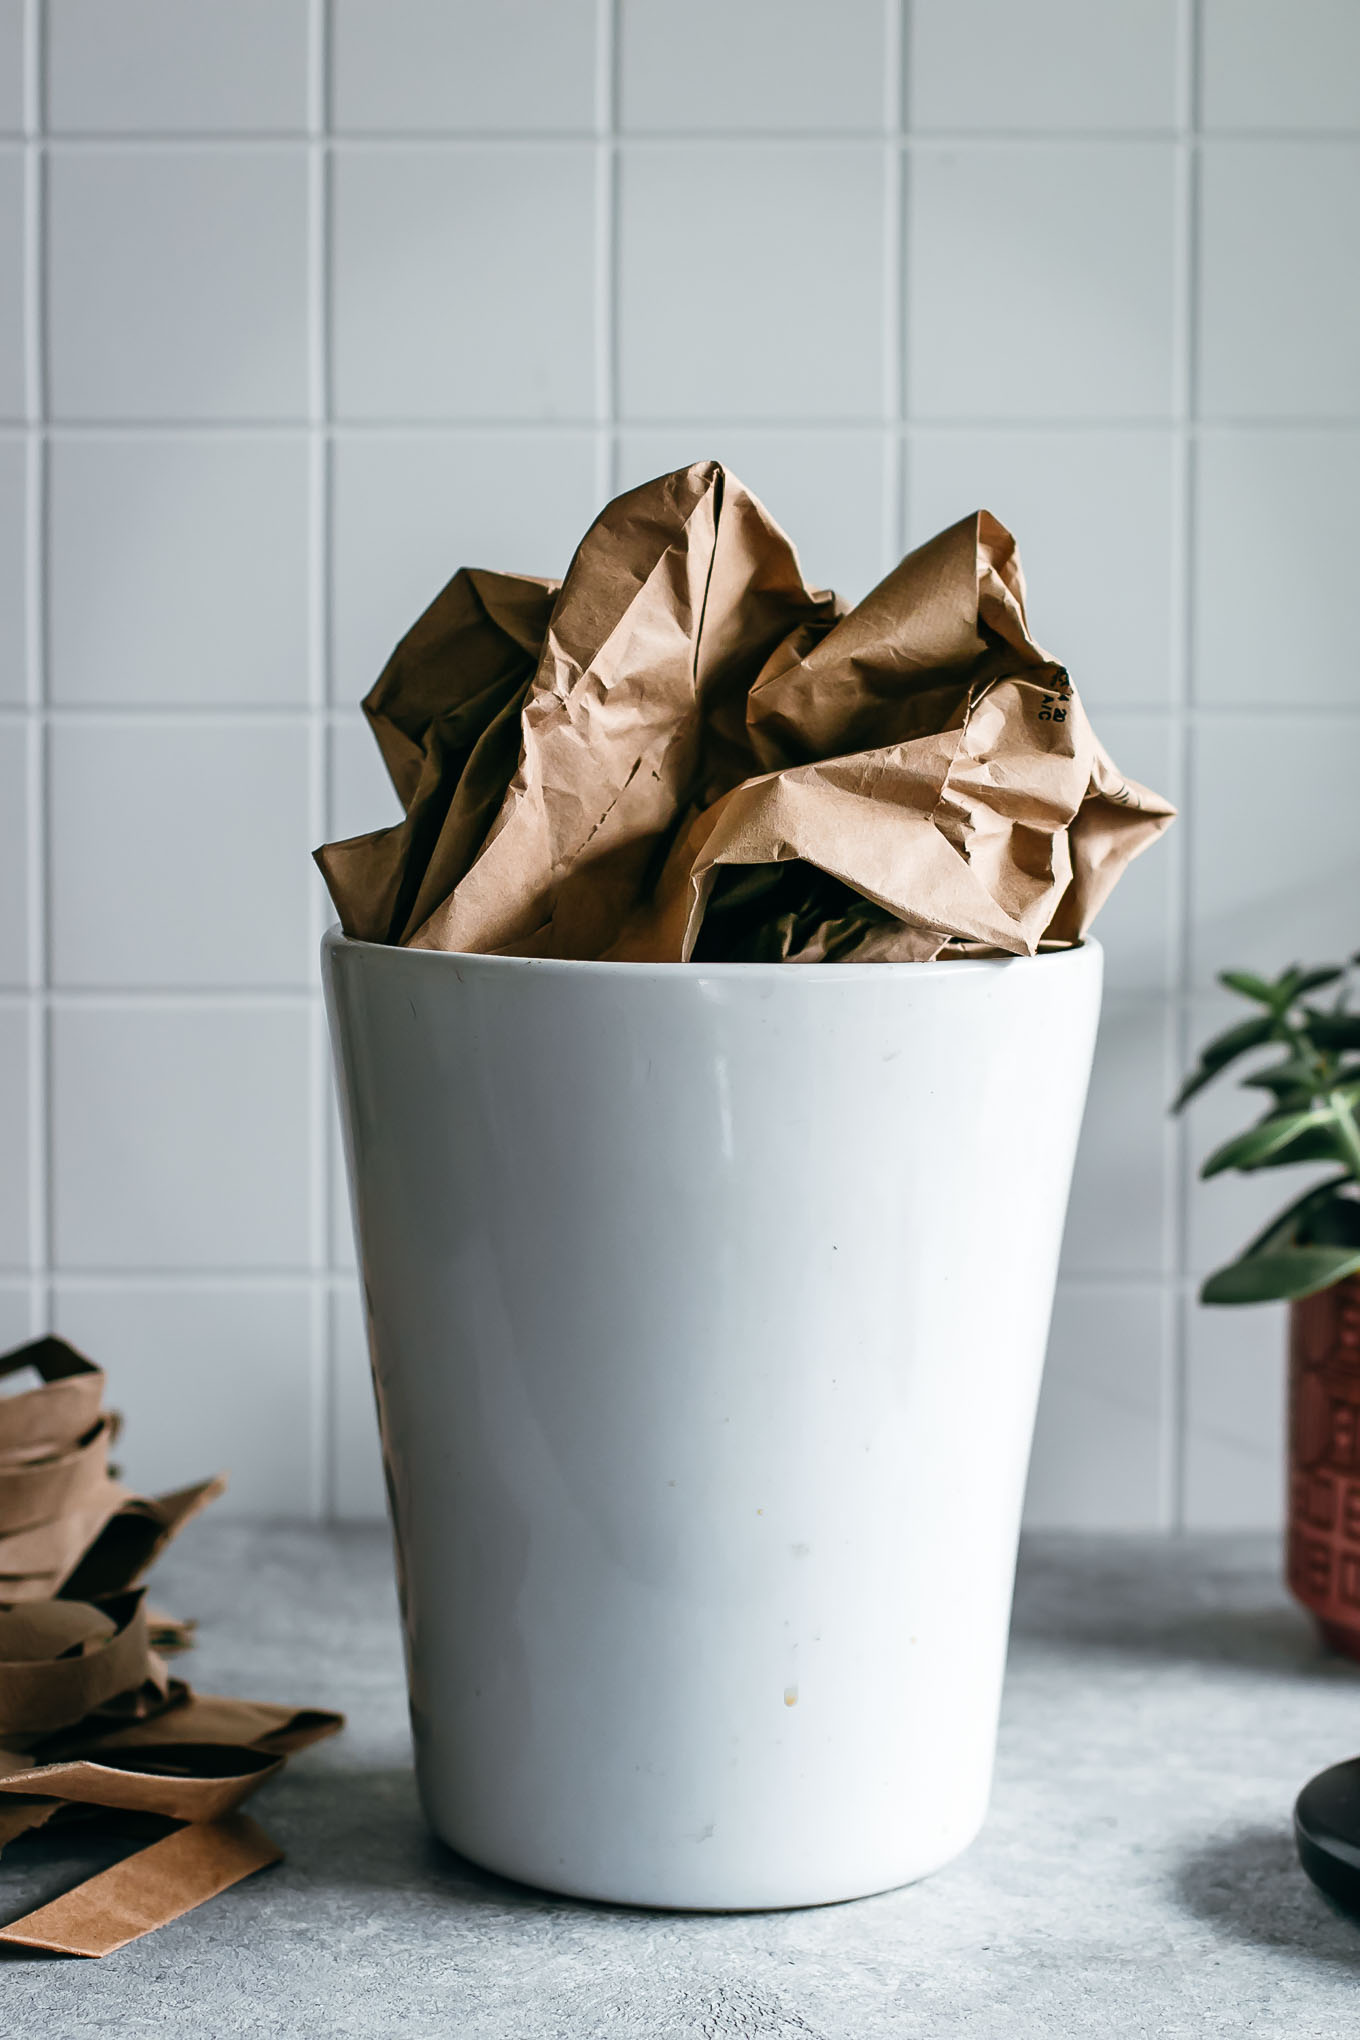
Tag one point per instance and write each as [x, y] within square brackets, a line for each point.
[1313, 1092]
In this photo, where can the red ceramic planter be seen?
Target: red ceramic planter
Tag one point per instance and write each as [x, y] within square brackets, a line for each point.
[1323, 1551]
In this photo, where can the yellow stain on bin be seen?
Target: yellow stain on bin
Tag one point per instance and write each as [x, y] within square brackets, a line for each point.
[790, 1696]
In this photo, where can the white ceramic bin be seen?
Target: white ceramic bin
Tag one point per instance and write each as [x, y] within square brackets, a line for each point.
[707, 1308]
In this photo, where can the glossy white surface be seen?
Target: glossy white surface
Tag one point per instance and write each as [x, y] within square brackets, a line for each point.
[708, 1307]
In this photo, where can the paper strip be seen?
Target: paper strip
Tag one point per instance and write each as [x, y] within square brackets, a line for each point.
[35, 1562]
[59, 1412]
[212, 1718]
[39, 1694]
[35, 1491]
[132, 1539]
[145, 1891]
[102, 1546]
[186, 1782]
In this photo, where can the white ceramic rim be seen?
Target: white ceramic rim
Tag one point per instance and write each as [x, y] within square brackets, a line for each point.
[821, 973]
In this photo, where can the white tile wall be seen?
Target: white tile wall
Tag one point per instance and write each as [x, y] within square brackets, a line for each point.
[12, 282]
[11, 66]
[361, 796]
[13, 568]
[464, 281]
[154, 539]
[180, 1134]
[1041, 280]
[766, 67]
[15, 1155]
[403, 505]
[456, 66]
[1100, 1443]
[14, 1314]
[1096, 510]
[1267, 503]
[1280, 64]
[303, 303]
[731, 302]
[1046, 67]
[14, 840]
[1119, 1211]
[158, 67]
[202, 875]
[176, 281]
[1274, 848]
[824, 486]
[1279, 305]
[209, 1380]
[1234, 1473]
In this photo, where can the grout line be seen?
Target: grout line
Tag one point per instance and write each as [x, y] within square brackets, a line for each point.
[34, 68]
[606, 297]
[38, 890]
[323, 1479]
[1198, 427]
[320, 82]
[166, 714]
[901, 32]
[326, 1303]
[319, 748]
[499, 427]
[1191, 27]
[428, 141]
[1182, 894]
[289, 1278]
[895, 391]
[184, 999]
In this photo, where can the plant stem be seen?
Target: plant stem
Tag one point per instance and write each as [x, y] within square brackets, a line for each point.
[1320, 1065]
[1347, 1132]
[1301, 1042]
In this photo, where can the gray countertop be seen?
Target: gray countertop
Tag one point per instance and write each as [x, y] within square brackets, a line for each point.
[1163, 1705]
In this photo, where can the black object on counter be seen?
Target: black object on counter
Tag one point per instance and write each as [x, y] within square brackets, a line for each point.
[1327, 1830]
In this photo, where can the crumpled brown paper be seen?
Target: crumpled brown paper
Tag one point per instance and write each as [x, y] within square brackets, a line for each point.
[91, 1720]
[686, 752]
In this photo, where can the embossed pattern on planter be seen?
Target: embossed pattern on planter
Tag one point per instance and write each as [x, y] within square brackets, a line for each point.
[1324, 1461]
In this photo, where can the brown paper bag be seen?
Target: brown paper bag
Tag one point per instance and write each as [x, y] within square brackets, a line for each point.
[927, 755]
[702, 731]
[446, 714]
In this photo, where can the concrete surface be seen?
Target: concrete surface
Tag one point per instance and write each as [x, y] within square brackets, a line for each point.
[1136, 1877]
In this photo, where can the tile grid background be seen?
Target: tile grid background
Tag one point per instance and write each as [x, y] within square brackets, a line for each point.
[221, 536]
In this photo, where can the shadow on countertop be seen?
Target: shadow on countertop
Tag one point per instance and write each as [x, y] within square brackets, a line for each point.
[1249, 1886]
[1198, 1600]
[347, 1833]
[359, 1829]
